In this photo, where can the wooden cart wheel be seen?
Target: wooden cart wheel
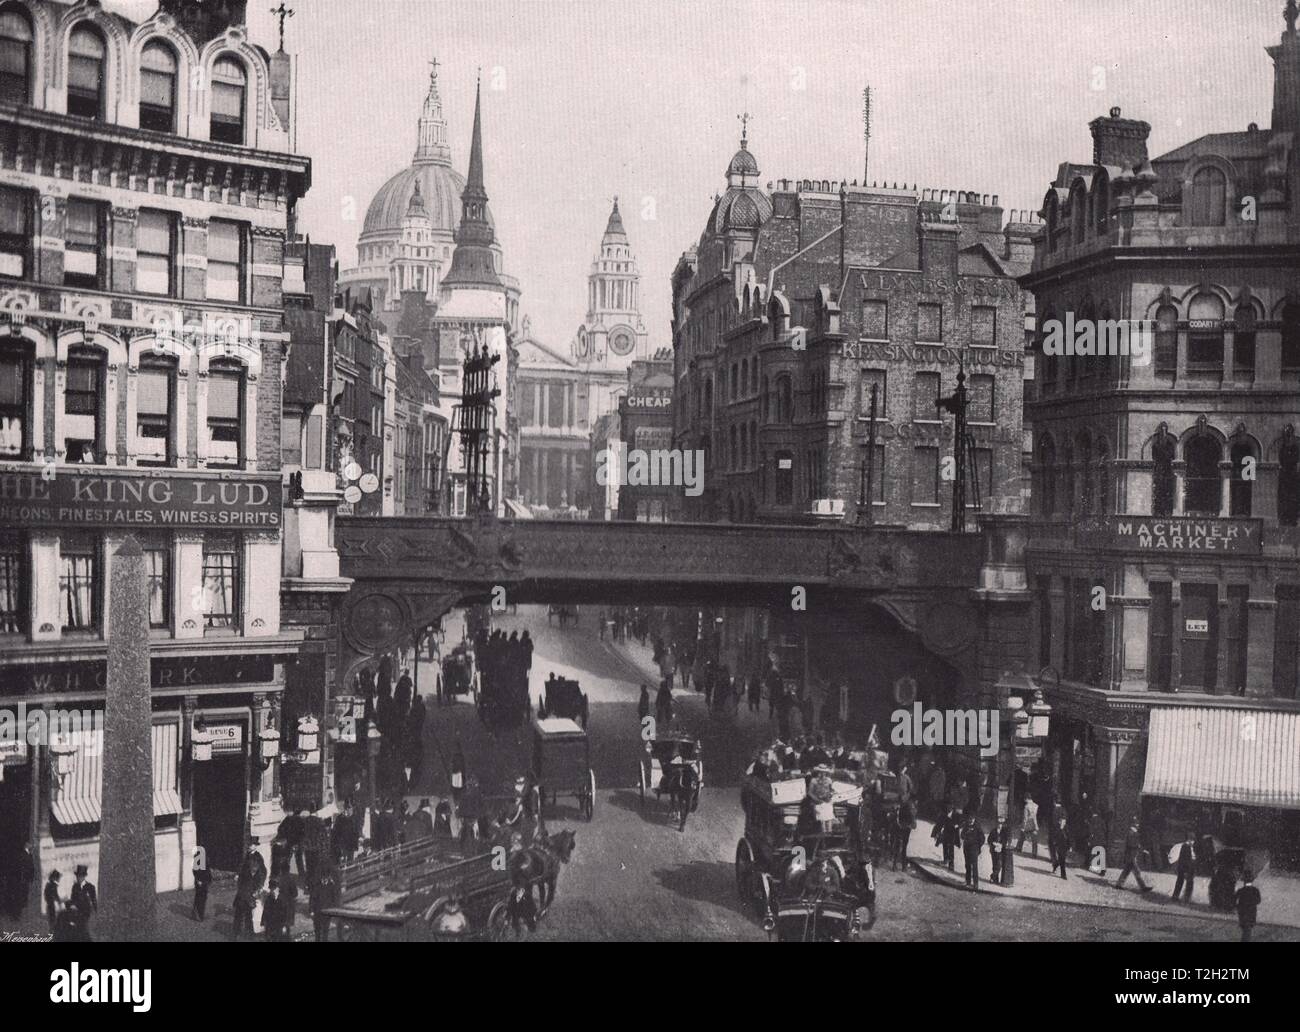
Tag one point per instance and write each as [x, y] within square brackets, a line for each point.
[498, 922]
[744, 871]
[589, 802]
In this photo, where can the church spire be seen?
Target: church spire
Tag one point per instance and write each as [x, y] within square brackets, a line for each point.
[431, 145]
[473, 261]
[614, 231]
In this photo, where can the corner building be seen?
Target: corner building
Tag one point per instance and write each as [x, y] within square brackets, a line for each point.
[1169, 488]
[142, 233]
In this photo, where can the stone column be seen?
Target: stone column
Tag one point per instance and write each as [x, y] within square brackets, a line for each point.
[127, 879]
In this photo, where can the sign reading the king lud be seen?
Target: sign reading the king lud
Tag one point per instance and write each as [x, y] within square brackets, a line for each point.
[1181, 534]
[104, 498]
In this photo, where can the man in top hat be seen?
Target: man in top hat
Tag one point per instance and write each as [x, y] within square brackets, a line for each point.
[995, 851]
[252, 876]
[83, 895]
[1132, 850]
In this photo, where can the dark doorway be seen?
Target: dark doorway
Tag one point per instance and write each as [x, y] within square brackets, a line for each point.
[221, 807]
[1200, 633]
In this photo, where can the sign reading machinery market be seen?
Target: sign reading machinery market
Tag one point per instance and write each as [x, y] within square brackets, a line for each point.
[1172, 534]
[138, 499]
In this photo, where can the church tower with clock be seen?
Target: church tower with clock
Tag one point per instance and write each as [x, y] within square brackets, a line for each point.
[613, 334]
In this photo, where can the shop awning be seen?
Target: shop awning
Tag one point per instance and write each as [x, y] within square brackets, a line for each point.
[166, 786]
[1223, 755]
[76, 795]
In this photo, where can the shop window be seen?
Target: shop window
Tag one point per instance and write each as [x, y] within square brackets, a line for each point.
[13, 584]
[1160, 637]
[1203, 490]
[983, 326]
[875, 320]
[226, 261]
[15, 56]
[83, 244]
[229, 89]
[1200, 636]
[83, 406]
[155, 252]
[925, 476]
[929, 323]
[221, 583]
[157, 557]
[1236, 636]
[1243, 343]
[225, 414]
[86, 73]
[158, 88]
[15, 395]
[155, 402]
[1286, 641]
[15, 232]
[1166, 357]
[79, 583]
[1207, 198]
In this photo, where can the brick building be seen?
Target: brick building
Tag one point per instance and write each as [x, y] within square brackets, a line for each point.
[1170, 487]
[645, 421]
[142, 235]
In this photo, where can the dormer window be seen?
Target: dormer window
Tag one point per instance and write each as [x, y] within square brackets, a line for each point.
[1207, 198]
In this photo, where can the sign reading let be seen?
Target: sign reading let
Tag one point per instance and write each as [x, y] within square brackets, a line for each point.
[138, 499]
[1172, 534]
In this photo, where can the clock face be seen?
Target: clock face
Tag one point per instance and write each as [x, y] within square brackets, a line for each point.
[621, 343]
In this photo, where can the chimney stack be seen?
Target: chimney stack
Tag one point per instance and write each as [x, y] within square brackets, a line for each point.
[1119, 141]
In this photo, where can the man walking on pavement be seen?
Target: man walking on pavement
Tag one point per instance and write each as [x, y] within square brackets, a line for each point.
[995, 851]
[972, 839]
[1132, 851]
[1029, 827]
[1058, 842]
[1186, 867]
[1248, 900]
[948, 833]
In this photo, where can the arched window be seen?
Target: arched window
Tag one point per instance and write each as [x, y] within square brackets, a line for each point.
[1202, 491]
[229, 87]
[158, 88]
[735, 391]
[1240, 490]
[15, 398]
[1163, 449]
[84, 406]
[784, 399]
[15, 56]
[86, 73]
[1207, 198]
[1243, 343]
[1205, 335]
[1166, 339]
[1291, 336]
[1046, 476]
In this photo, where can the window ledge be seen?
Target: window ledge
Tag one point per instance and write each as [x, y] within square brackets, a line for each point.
[921, 505]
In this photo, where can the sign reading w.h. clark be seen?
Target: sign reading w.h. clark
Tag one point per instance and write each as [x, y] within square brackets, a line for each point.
[1180, 534]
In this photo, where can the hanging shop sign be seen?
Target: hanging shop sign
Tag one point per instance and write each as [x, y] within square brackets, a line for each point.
[138, 499]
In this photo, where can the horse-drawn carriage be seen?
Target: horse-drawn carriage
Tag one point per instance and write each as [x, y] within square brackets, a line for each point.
[503, 702]
[808, 878]
[565, 614]
[563, 697]
[458, 673]
[661, 770]
[562, 763]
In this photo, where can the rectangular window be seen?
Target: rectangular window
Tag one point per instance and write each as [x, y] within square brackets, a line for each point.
[155, 252]
[983, 326]
[1205, 350]
[925, 397]
[1200, 636]
[291, 439]
[15, 367]
[1237, 634]
[15, 232]
[979, 404]
[925, 476]
[13, 584]
[79, 586]
[157, 557]
[929, 323]
[221, 583]
[226, 259]
[83, 243]
[225, 416]
[154, 402]
[1160, 651]
[879, 379]
[875, 320]
[1286, 641]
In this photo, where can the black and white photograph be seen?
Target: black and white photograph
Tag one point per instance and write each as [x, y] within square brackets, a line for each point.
[651, 471]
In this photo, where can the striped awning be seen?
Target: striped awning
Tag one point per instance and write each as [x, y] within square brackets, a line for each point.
[77, 800]
[1222, 755]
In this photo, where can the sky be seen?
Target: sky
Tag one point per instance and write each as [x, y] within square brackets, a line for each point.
[587, 99]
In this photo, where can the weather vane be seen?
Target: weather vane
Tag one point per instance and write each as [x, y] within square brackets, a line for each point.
[282, 12]
[744, 125]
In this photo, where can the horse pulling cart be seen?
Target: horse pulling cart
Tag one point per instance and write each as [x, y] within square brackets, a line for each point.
[457, 673]
[807, 878]
[658, 773]
[564, 697]
[562, 763]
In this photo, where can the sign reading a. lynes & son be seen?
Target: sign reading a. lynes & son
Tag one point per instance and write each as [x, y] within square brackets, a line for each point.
[138, 499]
[1181, 534]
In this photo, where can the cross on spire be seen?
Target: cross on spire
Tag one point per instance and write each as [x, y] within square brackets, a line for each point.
[433, 71]
[282, 12]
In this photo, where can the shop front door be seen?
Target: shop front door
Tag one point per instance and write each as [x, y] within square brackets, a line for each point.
[1200, 632]
[221, 809]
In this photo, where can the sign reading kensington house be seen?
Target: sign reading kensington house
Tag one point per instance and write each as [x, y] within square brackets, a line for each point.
[1172, 534]
[138, 499]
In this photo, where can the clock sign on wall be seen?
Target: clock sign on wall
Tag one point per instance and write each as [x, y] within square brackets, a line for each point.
[621, 343]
